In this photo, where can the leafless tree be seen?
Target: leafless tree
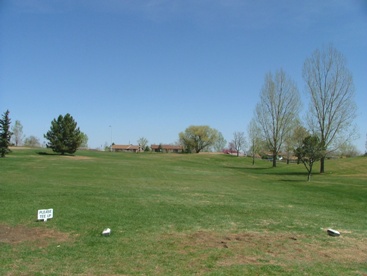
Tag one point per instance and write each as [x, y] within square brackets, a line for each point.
[239, 141]
[17, 130]
[143, 142]
[278, 107]
[254, 134]
[32, 141]
[332, 108]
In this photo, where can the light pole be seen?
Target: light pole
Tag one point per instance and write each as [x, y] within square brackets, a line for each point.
[111, 138]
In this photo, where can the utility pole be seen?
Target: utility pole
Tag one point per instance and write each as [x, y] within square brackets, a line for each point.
[111, 138]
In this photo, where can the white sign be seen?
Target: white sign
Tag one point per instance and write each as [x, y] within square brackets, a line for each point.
[45, 214]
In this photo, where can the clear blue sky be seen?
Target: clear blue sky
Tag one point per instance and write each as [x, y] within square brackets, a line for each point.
[151, 68]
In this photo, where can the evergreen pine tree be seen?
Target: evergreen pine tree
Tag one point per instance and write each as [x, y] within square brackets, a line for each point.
[5, 134]
[64, 136]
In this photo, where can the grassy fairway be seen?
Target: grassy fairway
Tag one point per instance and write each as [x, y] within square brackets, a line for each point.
[174, 214]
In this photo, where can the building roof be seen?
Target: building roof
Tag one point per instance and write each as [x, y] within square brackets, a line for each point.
[125, 147]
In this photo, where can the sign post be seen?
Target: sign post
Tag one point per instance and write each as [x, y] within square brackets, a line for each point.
[45, 214]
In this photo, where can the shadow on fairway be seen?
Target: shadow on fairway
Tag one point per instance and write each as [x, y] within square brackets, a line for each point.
[271, 171]
[246, 169]
[52, 154]
[288, 173]
[294, 180]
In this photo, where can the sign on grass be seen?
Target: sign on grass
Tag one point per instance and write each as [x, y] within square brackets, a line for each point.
[45, 214]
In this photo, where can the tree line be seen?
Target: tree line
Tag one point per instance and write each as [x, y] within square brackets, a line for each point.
[63, 137]
[276, 125]
[328, 123]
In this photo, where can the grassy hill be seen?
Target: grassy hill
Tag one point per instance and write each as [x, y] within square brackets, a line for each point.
[179, 214]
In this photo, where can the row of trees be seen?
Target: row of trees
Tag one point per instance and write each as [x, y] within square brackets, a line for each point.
[18, 139]
[276, 125]
[330, 114]
[63, 137]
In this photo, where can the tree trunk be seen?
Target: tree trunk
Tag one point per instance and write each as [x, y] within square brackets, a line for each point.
[309, 172]
[274, 160]
[322, 165]
[253, 159]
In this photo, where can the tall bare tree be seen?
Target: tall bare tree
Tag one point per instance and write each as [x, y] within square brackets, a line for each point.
[278, 108]
[332, 108]
[239, 141]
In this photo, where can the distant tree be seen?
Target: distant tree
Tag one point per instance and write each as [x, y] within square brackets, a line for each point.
[32, 141]
[5, 134]
[84, 138]
[331, 90]
[197, 138]
[106, 147]
[239, 141]
[299, 134]
[294, 138]
[288, 147]
[347, 150]
[231, 147]
[254, 134]
[143, 143]
[311, 151]
[220, 143]
[17, 130]
[64, 136]
[278, 108]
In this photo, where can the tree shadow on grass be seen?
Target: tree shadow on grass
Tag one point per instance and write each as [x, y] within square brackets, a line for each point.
[245, 168]
[46, 153]
[52, 154]
[288, 173]
[271, 171]
[294, 180]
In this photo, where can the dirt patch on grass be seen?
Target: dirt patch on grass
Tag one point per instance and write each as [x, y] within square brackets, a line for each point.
[41, 237]
[283, 249]
[77, 157]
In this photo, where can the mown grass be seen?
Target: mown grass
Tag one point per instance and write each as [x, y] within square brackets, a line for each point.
[180, 214]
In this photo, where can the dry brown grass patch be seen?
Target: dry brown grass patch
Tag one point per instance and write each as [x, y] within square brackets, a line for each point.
[75, 157]
[282, 249]
[41, 237]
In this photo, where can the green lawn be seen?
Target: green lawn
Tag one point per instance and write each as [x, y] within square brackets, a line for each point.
[177, 214]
